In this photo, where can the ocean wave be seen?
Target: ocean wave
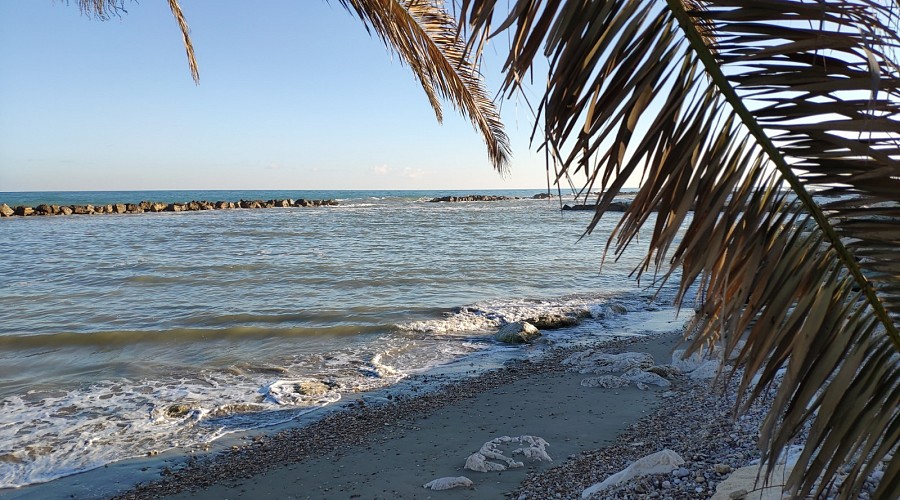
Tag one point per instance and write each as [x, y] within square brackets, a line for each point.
[490, 315]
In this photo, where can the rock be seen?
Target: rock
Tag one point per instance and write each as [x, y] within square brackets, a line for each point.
[681, 472]
[157, 207]
[479, 461]
[222, 205]
[175, 207]
[542, 196]
[65, 210]
[301, 391]
[43, 209]
[518, 332]
[179, 410]
[639, 376]
[744, 480]
[447, 483]
[605, 382]
[282, 203]
[6, 211]
[24, 211]
[554, 321]
[590, 362]
[119, 208]
[722, 468]
[658, 463]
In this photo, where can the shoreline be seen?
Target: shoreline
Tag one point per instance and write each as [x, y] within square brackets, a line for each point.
[391, 450]
[433, 407]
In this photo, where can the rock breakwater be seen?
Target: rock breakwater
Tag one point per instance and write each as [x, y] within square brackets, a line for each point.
[151, 206]
[471, 197]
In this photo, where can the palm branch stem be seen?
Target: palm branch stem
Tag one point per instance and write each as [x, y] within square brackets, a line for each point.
[748, 120]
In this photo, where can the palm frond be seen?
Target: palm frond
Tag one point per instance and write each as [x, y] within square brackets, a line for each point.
[769, 129]
[426, 38]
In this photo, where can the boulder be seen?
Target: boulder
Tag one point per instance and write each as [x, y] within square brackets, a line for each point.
[542, 196]
[99, 209]
[221, 205]
[24, 211]
[174, 207]
[447, 483]
[193, 206]
[6, 211]
[119, 208]
[158, 207]
[54, 209]
[518, 332]
[661, 462]
[282, 203]
[66, 210]
[554, 321]
[43, 209]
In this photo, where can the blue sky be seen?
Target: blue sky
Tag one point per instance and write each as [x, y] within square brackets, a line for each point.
[293, 95]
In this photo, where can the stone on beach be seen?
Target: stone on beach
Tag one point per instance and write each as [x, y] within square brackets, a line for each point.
[660, 462]
[745, 480]
[536, 448]
[447, 483]
[518, 332]
[6, 211]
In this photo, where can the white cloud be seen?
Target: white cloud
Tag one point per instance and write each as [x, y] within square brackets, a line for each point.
[381, 169]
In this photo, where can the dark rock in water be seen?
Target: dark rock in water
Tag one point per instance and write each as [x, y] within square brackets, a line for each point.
[43, 209]
[157, 207]
[174, 207]
[66, 210]
[282, 203]
[542, 196]
[554, 321]
[99, 209]
[134, 209]
[616, 206]
[79, 210]
[6, 211]
[55, 209]
[24, 211]
[222, 205]
[192, 206]
[179, 410]
[519, 332]
[119, 208]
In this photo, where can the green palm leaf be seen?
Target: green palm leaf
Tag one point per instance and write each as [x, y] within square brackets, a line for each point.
[738, 111]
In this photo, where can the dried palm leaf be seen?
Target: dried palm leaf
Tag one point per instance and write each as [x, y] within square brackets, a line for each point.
[769, 130]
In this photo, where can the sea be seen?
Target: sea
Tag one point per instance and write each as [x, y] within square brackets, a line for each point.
[127, 335]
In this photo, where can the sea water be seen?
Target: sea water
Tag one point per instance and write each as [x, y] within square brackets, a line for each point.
[123, 335]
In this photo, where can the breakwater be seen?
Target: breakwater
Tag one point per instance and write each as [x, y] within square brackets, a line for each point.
[150, 206]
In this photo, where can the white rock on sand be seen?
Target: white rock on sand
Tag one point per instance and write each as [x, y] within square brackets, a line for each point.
[745, 480]
[480, 461]
[661, 462]
[448, 483]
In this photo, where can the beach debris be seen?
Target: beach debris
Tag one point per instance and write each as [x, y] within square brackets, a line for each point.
[517, 332]
[666, 371]
[480, 461]
[600, 362]
[448, 483]
[605, 382]
[639, 376]
[657, 463]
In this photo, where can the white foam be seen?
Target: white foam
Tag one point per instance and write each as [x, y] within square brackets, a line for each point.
[490, 315]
